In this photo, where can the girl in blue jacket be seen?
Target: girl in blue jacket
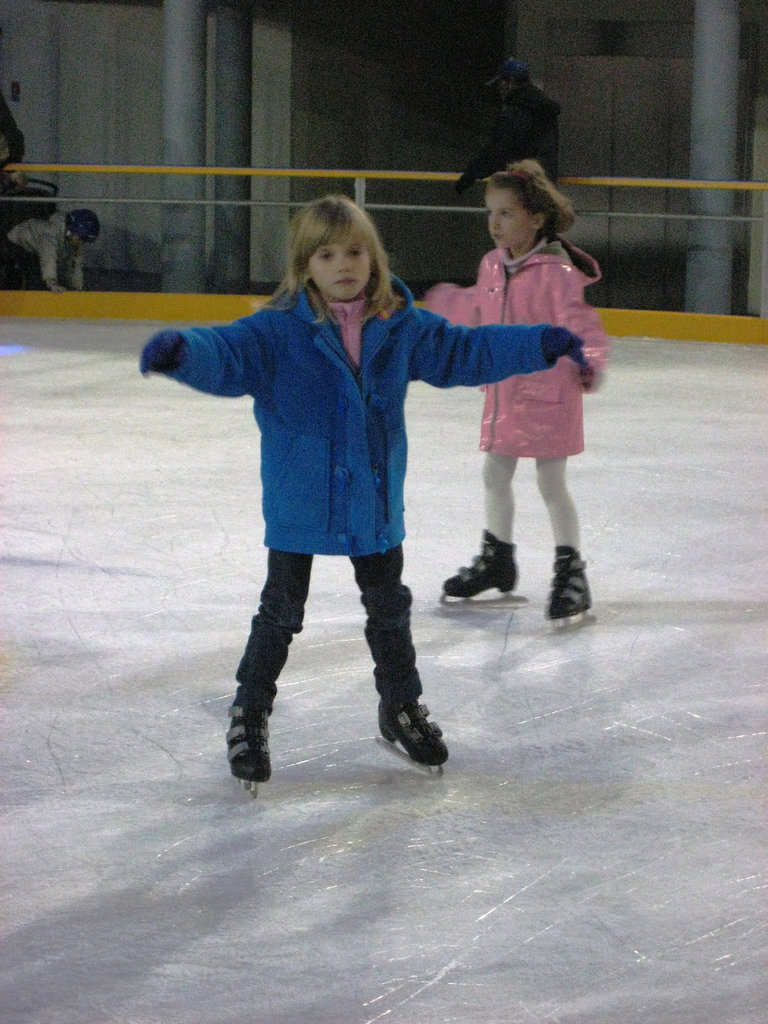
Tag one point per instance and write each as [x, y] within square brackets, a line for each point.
[328, 362]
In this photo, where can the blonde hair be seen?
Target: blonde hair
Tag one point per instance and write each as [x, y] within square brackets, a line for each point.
[327, 221]
[536, 194]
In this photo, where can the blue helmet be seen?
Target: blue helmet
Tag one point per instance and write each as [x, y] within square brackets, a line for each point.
[84, 224]
[510, 70]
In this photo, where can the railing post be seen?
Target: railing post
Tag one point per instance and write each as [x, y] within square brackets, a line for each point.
[764, 260]
[360, 192]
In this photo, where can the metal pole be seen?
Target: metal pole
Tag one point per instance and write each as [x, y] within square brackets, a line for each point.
[230, 272]
[184, 143]
[713, 153]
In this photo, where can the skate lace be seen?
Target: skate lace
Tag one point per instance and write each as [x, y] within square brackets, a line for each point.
[570, 574]
[247, 732]
[413, 720]
[479, 564]
[257, 733]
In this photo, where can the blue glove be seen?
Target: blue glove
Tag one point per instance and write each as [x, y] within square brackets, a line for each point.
[558, 341]
[163, 352]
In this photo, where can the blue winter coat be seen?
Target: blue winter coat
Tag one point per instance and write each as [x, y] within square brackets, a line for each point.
[333, 442]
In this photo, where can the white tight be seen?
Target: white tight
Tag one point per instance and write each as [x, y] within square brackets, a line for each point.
[498, 471]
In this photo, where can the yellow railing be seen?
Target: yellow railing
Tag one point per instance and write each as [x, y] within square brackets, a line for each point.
[286, 172]
[739, 186]
[247, 172]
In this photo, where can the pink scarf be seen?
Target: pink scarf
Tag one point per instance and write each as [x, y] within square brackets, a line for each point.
[349, 316]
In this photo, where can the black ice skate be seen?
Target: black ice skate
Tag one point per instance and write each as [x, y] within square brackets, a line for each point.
[408, 734]
[493, 567]
[570, 599]
[248, 743]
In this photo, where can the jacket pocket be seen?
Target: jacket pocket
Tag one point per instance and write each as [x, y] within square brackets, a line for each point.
[296, 479]
[396, 467]
[538, 388]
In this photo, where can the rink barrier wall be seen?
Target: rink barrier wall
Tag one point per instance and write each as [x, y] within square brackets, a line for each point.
[360, 179]
[200, 309]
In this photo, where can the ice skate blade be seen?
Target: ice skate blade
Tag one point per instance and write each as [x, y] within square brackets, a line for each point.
[571, 622]
[479, 601]
[251, 787]
[426, 769]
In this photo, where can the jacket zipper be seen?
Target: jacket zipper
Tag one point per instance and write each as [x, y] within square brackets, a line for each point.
[495, 387]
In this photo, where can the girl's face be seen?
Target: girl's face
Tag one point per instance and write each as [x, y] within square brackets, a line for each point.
[510, 224]
[340, 270]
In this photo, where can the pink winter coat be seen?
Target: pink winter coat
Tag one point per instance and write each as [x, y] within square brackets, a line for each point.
[539, 415]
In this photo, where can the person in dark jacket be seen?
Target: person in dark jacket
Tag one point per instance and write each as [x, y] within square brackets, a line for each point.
[11, 150]
[526, 127]
[11, 138]
[328, 363]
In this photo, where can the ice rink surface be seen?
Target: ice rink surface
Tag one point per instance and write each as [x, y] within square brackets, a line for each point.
[596, 851]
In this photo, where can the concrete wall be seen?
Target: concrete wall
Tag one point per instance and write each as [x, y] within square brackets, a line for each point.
[352, 86]
[626, 71]
[91, 92]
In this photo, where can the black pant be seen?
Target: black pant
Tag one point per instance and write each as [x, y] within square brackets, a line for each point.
[387, 602]
[22, 268]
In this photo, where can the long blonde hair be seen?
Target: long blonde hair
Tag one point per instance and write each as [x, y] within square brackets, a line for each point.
[328, 221]
[536, 194]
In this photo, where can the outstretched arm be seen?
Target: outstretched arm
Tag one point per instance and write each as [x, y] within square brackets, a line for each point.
[459, 305]
[506, 143]
[448, 355]
[227, 361]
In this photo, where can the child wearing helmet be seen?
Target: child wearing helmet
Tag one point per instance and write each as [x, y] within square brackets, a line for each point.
[50, 251]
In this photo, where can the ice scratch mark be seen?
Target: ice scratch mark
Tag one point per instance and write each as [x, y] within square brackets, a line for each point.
[456, 962]
[636, 728]
[536, 1015]
[306, 842]
[549, 714]
[541, 931]
[514, 895]
[715, 931]
[435, 980]
[173, 846]
[309, 760]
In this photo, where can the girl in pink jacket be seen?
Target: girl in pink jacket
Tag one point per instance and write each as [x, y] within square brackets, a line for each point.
[532, 275]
